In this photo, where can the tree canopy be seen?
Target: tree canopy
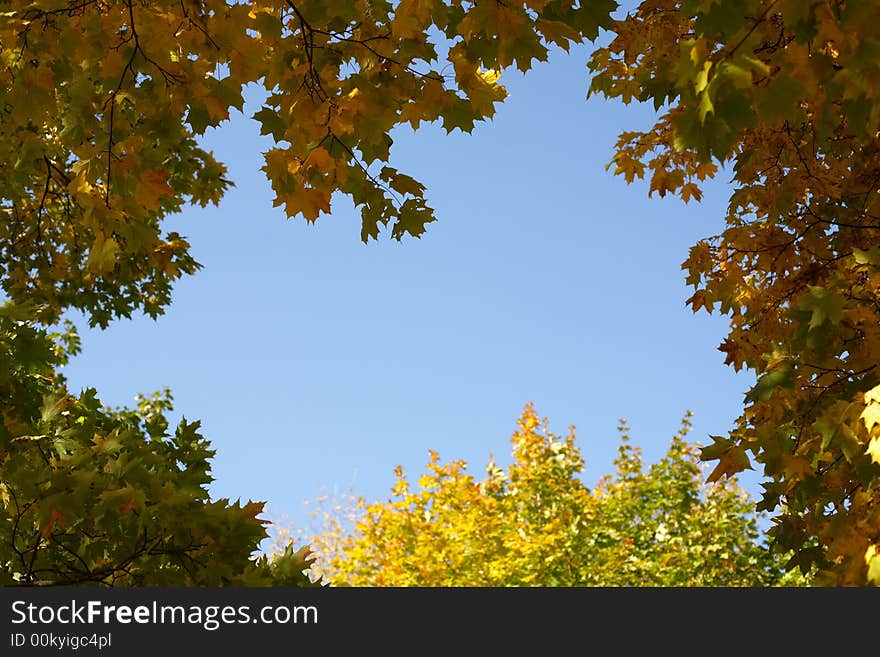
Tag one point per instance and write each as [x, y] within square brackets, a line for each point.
[536, 523]
[104, 101]
[783, 95]
[101, 497]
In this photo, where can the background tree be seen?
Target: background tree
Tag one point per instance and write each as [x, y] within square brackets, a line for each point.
[537, 524]
[783, 94]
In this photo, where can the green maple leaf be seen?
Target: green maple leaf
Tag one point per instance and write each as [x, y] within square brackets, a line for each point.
[414, 214]
[768, 383]
[271, 123]
[779, 99]
[825, 305]
[836, 432]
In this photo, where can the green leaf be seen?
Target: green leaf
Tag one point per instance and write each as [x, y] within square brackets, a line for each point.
[740, 77]
[763, 390]
[836, 431]
[52, 406]
[414, 214]
[271, 123]
[706, 106]
[779, 99]
[825, 305]
[719, 20]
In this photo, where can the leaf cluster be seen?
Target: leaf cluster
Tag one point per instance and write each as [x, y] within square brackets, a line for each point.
[111, 497]
[103, 103]
[784, 94]
[535, 523]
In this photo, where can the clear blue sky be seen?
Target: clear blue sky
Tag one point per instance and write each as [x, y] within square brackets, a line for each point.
[316, 362]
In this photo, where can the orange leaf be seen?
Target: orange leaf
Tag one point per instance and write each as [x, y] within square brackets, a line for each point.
[152, 186]
[55, 518]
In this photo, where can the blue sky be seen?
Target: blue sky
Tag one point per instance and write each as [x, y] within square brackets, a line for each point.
[317, 363]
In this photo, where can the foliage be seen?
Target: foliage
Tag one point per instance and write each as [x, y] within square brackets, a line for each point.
[784, 95]
[94, 496]
[537, 524]
[105, 100]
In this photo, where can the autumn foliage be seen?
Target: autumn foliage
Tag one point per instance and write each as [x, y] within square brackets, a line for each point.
[104, 102]
[784, 94]
[112, 497]
[535, 523]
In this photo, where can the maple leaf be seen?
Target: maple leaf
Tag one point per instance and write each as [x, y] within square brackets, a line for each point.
[56, 519]
[872, 560]
[308, 202]
[874, 449]
[152, 187]
[730, 462]
[824, 305]
[102, 255]
[729, 347]
[871, 414]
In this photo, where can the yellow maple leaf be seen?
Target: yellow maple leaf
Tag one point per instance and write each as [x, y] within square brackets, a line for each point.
[874, 449]
[102, 255]
[872, 560]
[80, 187]
[731, 462]
[309, 202]
[490, 76]
[871, 414]
[321, 160]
